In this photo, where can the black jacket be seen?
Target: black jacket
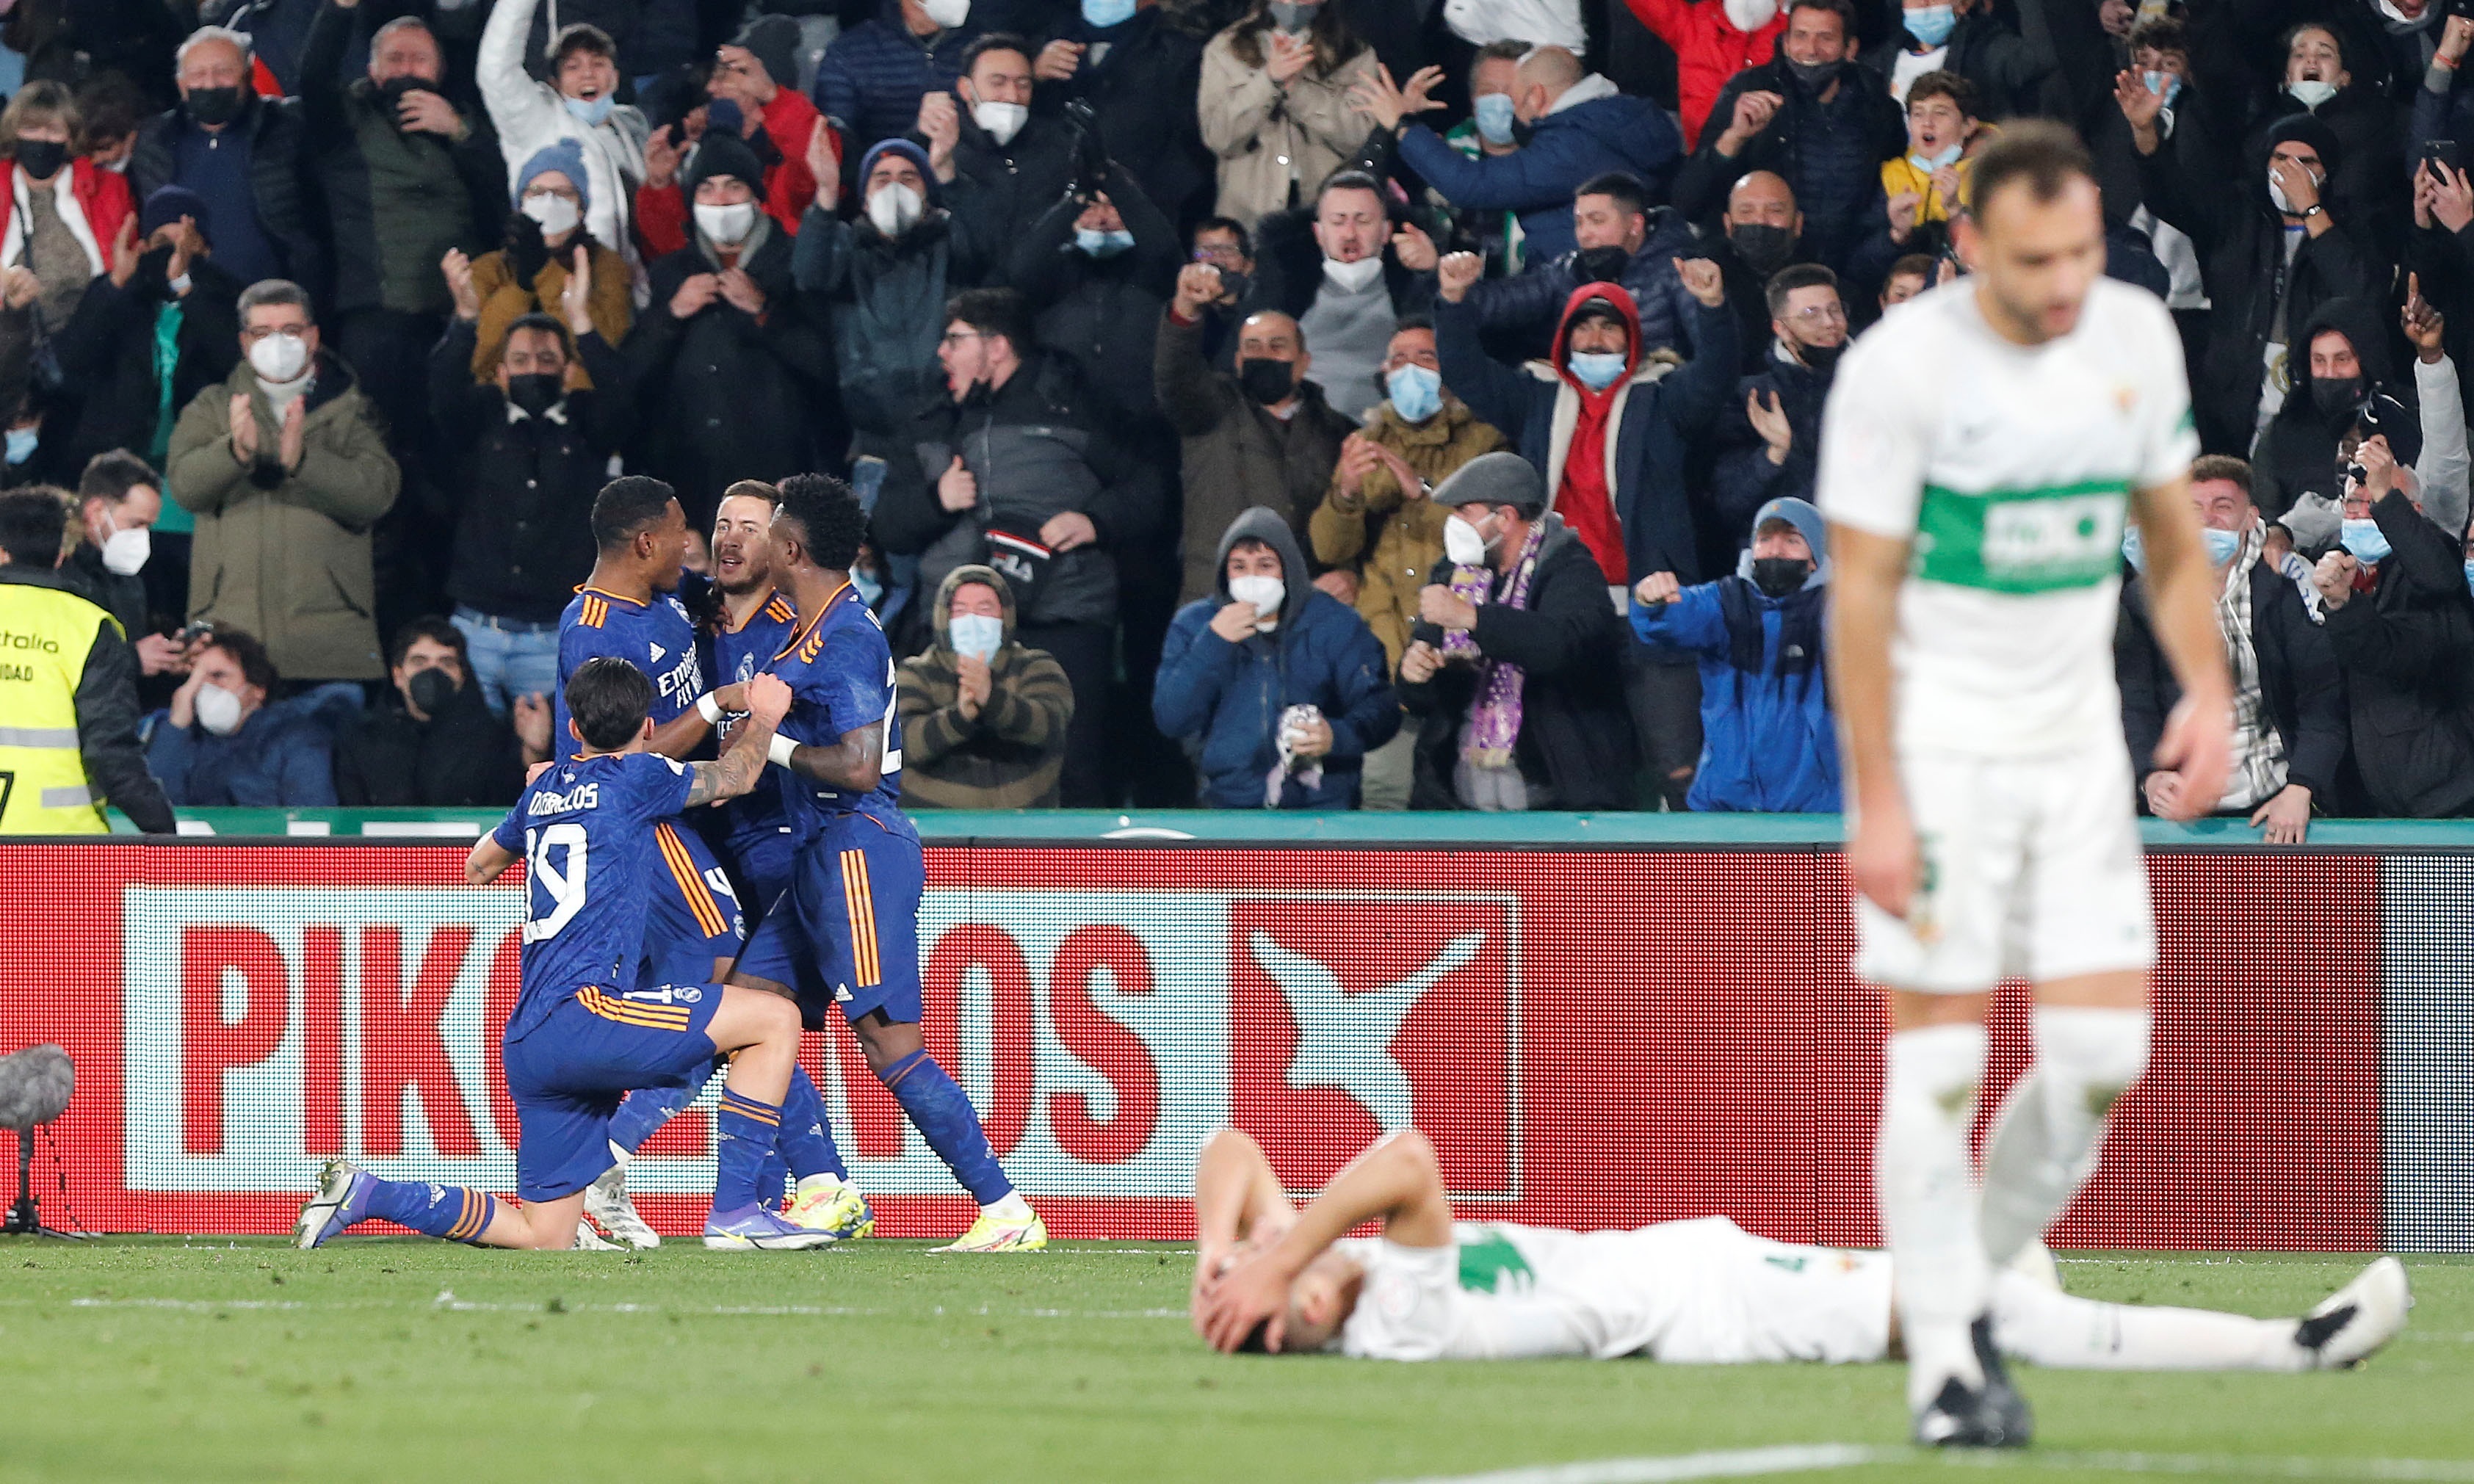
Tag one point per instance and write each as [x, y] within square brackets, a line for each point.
[1575, 730]
[1101, 313]
[2407, 650]
[2301, 690]
[463, 758]
[106, 717]
[1880, 131]
[285, 212]
[122, 597]
[1528, 306]
[721, 397]
[2297, 454]
[2011, 76]
[107, 350]
[524, 485]
[1744, 479]
[1141, 93]
[998, 187]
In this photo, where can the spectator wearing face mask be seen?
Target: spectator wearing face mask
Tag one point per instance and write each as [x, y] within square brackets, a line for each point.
[2402, 626]
[1924, 188]
[1762, 233]
[2344, 392]
[2288, 711]
[1273, 104]
[62, 217]
[1266, 430]
[1487, 133]
[1621, 239]
[874, 74]
[756, 101]
[1573, 126]
[243, 154]
[1766, 453]
[2367, 179]
[1140, 72]
[575, 104]
[983, 718]
[1513, 675]
[1276, 688]
[118, 501]
[285, 470]
[429, 739]
[1328, 270]
[1964, 37]
[223, 741]
[1712, 40]
[544, 235]
[1812, 116]
[1769, 742]
[731, 358]
[1011, 162]
[1101, 262]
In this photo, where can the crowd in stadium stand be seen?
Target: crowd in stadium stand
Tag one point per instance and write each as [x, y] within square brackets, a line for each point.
[1155, 333]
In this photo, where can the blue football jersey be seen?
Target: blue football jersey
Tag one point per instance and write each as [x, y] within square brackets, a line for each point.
[657, 638]
[737, 654]
[585, 831]
[840, 673]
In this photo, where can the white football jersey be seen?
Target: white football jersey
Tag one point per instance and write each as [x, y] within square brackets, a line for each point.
[2010, 468]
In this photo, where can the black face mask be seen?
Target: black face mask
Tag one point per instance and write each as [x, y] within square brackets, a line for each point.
[214, 106]
[394, 90]
[1600, 265]
[41, 158]
[1821, 357]
[154, 269]
[1266, 380]
[1764, 249]
[1815, 76]
[536, 391]
[1522, 131]
[1234, 284]
[1775, 575]
[2335, 395]
[431, 690]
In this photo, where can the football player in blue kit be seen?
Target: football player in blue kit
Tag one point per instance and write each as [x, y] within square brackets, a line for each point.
[848, 930]
[581, 1036]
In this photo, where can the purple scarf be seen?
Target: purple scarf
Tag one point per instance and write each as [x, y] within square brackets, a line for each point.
[1495, 721]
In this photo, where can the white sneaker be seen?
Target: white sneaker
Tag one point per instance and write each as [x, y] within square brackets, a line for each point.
[606, 1202]
[587, 1240]
[2035, 1263]
[2357, 1319]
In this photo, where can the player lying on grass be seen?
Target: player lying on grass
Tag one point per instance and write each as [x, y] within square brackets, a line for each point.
[578, 1041]
[1269, 1276]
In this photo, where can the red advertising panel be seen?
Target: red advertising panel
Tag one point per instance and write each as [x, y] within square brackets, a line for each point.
[1591, 1037]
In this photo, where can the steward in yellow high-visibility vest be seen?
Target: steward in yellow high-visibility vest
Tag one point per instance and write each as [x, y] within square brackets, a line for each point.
[68, 690]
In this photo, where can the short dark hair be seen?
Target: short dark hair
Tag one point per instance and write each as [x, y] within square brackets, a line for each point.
[580, 36]
[1229, 225]
[2037, 154]
[112, 107]
[1795, 276]
[1621, 187]
[2334, 32]
[256, 666]
[1349, 177]
[2163, 34]
[994, 311]
[608, 699]
[112, 474]
[436, 630]
[545, 324]
[753, 489]
[1845, 11]
[995, 41]
[1942, 82]
[1424, 322]
[32, 522]
[831, 526]
[626, 506]
[1509, 49]
[1922, 264]
[2221, 466]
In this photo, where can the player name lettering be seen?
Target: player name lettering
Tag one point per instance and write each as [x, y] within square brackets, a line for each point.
[584, 795]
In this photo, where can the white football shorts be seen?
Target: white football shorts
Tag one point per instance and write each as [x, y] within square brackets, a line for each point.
[1750, 1299]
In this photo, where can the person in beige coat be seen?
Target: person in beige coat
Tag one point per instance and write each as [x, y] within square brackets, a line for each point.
[1275, 106]
[285, 470]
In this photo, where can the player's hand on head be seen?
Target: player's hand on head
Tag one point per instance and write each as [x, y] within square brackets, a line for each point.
[1252, 1291]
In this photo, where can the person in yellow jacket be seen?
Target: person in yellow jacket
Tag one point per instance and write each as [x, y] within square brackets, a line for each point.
[68, 690]
[1927, 185]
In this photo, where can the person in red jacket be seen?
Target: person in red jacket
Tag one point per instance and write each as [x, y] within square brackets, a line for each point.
[751, 98]
[78, 210]
[1712, 40]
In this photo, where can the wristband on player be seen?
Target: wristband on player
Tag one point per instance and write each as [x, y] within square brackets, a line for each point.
[709, 708]
[781, 748]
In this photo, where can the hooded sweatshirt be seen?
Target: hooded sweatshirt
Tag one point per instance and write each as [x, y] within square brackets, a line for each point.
[1012, 753]
[1583, 495]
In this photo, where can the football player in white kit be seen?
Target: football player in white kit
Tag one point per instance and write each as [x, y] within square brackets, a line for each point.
[1269, 1276]
[1981, 453]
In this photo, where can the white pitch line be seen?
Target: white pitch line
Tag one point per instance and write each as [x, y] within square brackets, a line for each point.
[1821, 1458]
[1736, 1464]
[448, 1302]
[2420, 1471]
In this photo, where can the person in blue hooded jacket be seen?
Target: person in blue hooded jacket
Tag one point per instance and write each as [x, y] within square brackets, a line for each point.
[1239, 665]
[1769, 742]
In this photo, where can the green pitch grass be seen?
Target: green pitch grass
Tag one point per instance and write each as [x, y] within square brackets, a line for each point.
[386, 1359]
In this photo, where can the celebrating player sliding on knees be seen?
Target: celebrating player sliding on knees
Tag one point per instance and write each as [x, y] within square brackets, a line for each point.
[1981, 451]
[580, 1037]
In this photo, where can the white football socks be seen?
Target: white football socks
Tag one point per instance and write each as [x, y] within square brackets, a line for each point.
[2044, 1145]
[1927, 1201]
[2048, 1328]
[1012, 1206]
[809, 1183]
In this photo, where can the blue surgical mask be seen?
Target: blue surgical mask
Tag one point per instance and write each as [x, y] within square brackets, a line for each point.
[1931, 25]
[591, 113]
[870, 590]
[1100, 14]
[1597, 370]
[1417, 393]
[2469, 576]
[1928, 163]
[2221, 545]
[2133, 549]
[21, 444]
[2366, 539]
[2167, 84]
[1494, 114]
[975, 634]
[1102, 244]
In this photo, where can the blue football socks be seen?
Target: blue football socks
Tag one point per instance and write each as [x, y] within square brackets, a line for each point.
[448, 1212]
[806, 1139]
[744, 1132]
[646, 1110]
[943, 1115]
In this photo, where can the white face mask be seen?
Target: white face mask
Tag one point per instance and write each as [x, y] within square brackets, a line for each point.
[1266, 593]
[1463, 545]
[895, 208]
[1353, 276]
[123, 552]
[948, 13]
[976, 635]
[1751, 14]
[2277, 192]
[2312, 92]
[1000, 121]
[279, 357]
[727, 226]
[556, 214]
[218, 710]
